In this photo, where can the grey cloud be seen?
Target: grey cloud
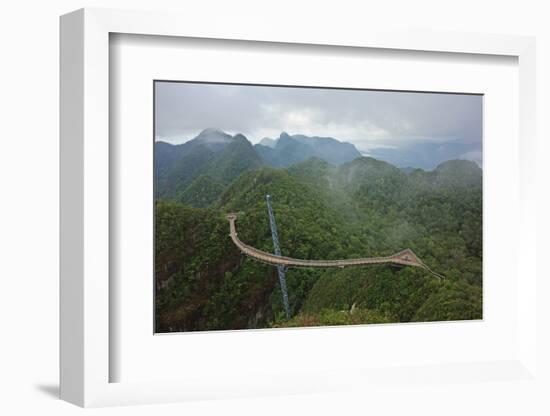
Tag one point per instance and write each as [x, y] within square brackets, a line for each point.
[368, 119]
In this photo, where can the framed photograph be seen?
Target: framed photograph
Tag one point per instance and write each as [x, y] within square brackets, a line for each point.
[321, 202]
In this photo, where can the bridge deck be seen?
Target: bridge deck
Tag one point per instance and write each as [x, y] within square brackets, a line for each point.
[404, 258]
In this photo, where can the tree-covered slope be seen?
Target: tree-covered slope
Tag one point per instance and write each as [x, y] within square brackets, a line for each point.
[362, 208]
[237, 157]
[212, 153]
[192, 257]
[201, 193]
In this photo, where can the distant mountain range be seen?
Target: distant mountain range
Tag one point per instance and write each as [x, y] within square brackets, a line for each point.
[198, 170]
[221, 158]
[427, 155]
[287, 150]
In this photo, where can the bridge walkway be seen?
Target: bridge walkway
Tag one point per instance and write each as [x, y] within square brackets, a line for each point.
[403, 258]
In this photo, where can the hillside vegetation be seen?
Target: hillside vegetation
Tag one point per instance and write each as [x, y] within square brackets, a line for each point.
[361, 208]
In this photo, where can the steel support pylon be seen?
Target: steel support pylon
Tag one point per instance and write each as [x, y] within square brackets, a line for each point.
[277, 250]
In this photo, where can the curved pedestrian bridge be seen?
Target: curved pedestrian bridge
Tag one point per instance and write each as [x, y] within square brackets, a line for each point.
[403, 258]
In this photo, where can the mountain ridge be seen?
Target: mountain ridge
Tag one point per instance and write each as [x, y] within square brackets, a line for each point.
[289, 149]
[211, 153]
[218, 158]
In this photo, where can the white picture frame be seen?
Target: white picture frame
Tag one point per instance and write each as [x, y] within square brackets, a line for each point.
[85, 218]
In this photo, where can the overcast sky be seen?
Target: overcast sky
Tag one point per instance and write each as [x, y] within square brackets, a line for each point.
[368, 119]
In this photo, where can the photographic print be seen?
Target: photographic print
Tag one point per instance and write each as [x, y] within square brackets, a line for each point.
[286, 206]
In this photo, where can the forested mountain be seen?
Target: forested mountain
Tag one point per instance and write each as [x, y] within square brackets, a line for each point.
[360, 208]
[288, 150]
[214, 158]
[212, 153]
